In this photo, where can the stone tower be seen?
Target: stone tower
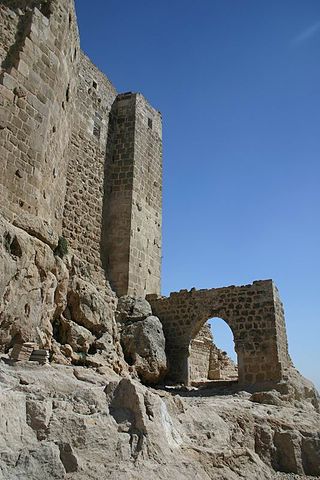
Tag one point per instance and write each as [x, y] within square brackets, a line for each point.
[133, 197]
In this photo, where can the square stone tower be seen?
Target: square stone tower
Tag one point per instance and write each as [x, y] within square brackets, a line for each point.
[133, 197]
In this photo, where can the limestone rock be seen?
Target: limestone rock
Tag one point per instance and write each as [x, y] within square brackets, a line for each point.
[44, 299]
[311, 454]
[143, 416]
[27, 288]
[88, 307]
[144, 347]
[132, 309]
[270, 398]
[38, 413]
[37, 227]
[104, 343]
[73, 420]
[74, 335]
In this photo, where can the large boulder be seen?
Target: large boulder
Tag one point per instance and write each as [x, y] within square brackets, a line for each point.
[70, 333]
[88, 307]
[143, 343]
[132, 309]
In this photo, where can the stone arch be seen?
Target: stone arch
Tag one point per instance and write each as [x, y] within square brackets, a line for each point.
[253, 312]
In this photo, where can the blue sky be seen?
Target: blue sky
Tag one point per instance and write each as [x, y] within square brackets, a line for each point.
[238, 85]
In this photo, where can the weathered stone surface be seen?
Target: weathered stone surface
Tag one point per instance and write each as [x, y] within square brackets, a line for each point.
[269, 398]
[288, 451]
[144, 417]
[38, 413]
[37, 290]
[77, 337]
[27, 288]
[144, 347]
[37, 227]
[132, 309]
[89, 425]
[87, 306]
[311, 454]
[104, 343]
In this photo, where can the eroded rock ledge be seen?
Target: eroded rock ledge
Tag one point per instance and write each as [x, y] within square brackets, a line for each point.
[72, 422]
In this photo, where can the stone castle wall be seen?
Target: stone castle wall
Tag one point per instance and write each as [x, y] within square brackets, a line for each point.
[134, 197]
[83, 210]
[39, 53]
[59, 164]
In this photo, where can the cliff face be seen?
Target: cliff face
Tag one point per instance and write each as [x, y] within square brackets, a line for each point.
[81, 208]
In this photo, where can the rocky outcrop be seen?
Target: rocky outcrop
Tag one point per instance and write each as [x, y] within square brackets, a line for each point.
[28, 286]
[142, 339]
[144, 347]
[132, 309]
[54, 302]
[65, 422]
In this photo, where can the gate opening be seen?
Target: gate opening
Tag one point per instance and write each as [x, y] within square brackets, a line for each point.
[212, 355]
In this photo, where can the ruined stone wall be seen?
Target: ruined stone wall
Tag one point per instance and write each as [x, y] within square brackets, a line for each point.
[83, 211]
[39, 53]
[251, 311]
[282, 344]
[207, 361]
[134, 197]
[221, 367]
[200, 354]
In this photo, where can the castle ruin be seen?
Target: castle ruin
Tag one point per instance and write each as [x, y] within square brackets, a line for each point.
[82, 162]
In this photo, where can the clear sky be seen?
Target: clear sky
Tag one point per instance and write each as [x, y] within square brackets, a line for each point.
[238, 85]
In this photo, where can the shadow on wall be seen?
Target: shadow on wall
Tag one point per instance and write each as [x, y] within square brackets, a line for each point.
[106, 193]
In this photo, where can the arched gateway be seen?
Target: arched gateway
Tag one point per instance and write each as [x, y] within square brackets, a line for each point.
[253, 312]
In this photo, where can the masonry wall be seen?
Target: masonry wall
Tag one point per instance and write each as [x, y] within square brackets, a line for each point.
[252, 312]
[84, 202]
[76, 159]
[200, 353]
[39, 53]
[134, 197]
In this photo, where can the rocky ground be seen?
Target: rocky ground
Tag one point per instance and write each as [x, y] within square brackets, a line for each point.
[86, 415]
[77, 423]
